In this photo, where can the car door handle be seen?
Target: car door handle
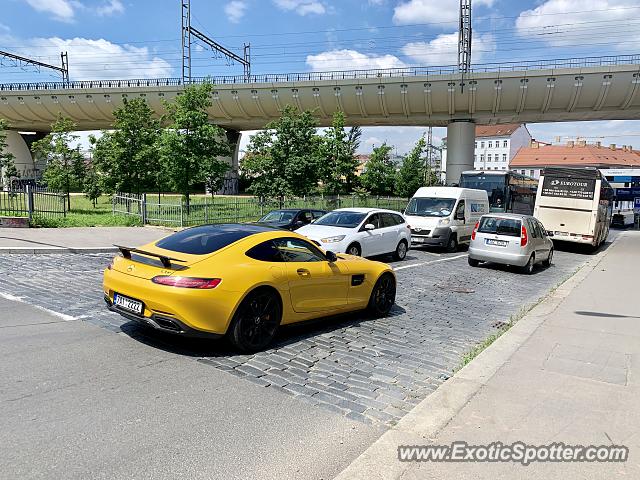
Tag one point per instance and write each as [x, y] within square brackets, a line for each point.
[303, 272]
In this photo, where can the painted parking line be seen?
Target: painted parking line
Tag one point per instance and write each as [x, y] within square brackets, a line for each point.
[429, 263]
[63, 316]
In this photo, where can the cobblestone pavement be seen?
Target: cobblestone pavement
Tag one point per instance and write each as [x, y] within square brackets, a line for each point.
[369, 370]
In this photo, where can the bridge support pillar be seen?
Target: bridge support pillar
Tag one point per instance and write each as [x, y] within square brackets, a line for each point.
[461, 137]
[25, 164]
[230, 186]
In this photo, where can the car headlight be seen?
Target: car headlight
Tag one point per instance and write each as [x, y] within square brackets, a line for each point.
[335, 239]
[444, 221]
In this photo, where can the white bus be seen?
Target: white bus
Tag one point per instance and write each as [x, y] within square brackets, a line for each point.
[575, 204]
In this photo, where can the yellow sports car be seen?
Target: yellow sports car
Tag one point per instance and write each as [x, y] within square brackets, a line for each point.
[243, 281]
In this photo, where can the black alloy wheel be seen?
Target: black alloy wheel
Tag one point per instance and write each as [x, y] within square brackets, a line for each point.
[383, 296]
[256, 321]
[354, 249]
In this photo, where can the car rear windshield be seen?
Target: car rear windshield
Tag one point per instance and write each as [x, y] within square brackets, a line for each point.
[500, 226]
[206, 239]
[341, 219]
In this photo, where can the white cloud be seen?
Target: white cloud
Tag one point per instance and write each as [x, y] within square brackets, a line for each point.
[61, 9]
[302, 7]
[111, 7]
[98, 59]
[431, 11]
[235, 10]
[443, 50]
[351, 60]
[571, 22]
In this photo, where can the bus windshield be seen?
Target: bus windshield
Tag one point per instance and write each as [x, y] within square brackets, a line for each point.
[430, 207]
[494, 185]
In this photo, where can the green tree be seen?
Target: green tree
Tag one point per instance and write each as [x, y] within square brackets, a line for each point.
[91, 185]
[7, 159]
[379, 174]
[284, 159]
[127, 156]
[355, 133]
[191, 146]
[410, 176]
[338, 158]
[65, 165]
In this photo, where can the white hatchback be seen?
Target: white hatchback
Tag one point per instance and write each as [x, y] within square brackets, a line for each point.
[361, 231]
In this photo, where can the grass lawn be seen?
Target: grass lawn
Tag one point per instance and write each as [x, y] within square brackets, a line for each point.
[169, 212]
[83, 214]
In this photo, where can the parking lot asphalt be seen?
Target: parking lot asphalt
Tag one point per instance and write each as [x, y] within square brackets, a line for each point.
[370, 371]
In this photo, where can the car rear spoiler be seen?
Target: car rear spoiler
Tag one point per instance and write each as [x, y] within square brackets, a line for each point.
[166, 261]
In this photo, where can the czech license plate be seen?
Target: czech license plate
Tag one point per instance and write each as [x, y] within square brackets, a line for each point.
[127, 303]
[417, 240]
[497, 243]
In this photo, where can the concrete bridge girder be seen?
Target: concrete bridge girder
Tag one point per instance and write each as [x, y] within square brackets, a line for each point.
[486, 98]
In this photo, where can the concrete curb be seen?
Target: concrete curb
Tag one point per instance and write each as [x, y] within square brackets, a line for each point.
[420, 425]
[49, 250]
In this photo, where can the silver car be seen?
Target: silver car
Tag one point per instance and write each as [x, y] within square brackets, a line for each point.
[510, 239]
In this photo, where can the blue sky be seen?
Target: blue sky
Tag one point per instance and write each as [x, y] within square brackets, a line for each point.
[141, 38]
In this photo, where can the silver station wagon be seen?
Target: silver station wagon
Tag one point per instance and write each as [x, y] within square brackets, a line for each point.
[510, 239]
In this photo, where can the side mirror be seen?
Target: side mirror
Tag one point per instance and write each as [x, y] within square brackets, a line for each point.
[460, 216]
[369, 226]
[331, 257]
[299, 223]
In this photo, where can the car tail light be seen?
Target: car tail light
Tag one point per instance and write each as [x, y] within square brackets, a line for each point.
[187, 282]
[475, 229]
[524, 238]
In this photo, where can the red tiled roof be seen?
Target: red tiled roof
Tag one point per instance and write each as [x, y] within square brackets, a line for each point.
[504, 129]
[560, 155]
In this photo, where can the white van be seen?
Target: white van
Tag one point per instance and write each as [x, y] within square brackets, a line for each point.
[445, 216]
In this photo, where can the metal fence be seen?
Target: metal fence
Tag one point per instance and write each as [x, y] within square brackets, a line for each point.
[32, 202]
[544, 64]
[173, 211]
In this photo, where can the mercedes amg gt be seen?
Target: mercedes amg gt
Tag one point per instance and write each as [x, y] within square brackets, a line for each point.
[242, 281]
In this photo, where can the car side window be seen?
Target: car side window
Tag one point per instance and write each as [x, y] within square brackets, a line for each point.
[298, 250]
[387, 220]
[398, 218]
[373, 219]
[543, 230]
[535, 230]
[317, 214]
[460, 209]
[265, 252]
[305, 216]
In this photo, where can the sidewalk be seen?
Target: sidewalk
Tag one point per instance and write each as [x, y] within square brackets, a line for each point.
[76, 240]
[567, 372]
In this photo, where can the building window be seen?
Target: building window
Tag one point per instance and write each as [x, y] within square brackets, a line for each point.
[505, 144]
[504, 157]
[475, 158]
[481, 144]
[482, 158]
[531, 173]
[490, 144]
[504, 168]
[476, 144]
[489, 158]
